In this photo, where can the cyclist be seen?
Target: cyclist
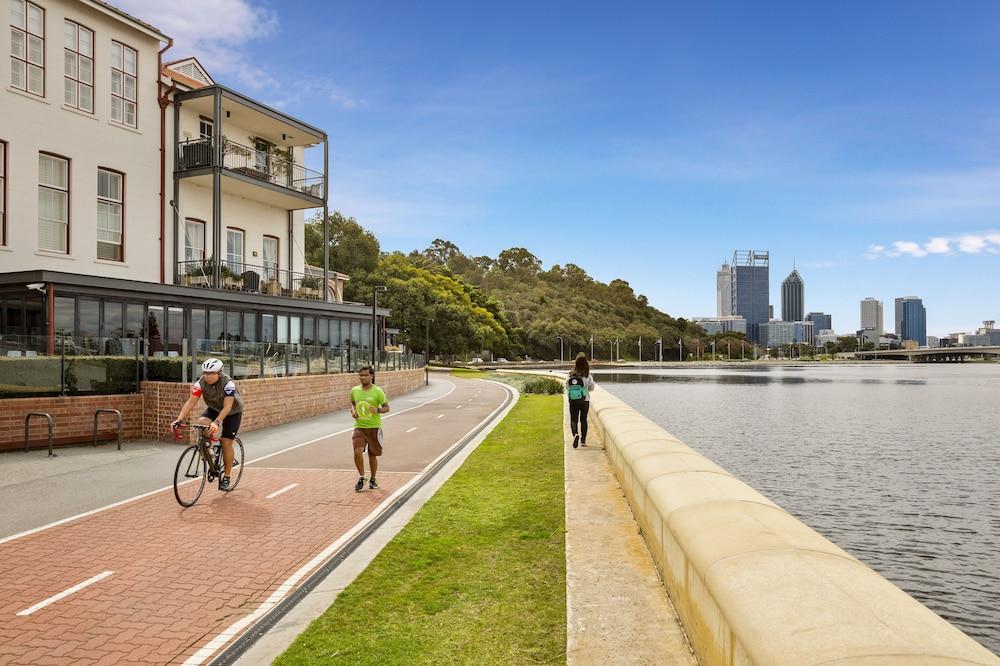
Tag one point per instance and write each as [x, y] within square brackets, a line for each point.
[224, 409]
[368, 403]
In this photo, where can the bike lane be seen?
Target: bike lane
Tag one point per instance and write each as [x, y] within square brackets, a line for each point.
[148, 582]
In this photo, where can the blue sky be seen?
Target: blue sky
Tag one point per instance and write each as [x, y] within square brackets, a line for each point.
[647, 142]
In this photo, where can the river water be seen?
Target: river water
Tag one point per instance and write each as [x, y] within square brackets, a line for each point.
[897, 464]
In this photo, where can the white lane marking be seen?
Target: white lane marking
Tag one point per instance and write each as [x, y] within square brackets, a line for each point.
[63, 521]
[412, 429]
[278, 492]
[65, 593]
[439, 416]
[282, 590]
[458, 406]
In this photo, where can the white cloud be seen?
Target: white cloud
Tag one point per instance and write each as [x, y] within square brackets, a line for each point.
[974, 243]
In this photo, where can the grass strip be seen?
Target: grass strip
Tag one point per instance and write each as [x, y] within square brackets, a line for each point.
[478, 576]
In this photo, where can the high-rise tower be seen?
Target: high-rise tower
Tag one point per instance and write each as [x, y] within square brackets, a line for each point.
[724, 291]
[871, 315]
[750, 279]
[793, 297]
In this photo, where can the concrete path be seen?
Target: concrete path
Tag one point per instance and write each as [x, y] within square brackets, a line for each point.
[145, 581]
[617, 611]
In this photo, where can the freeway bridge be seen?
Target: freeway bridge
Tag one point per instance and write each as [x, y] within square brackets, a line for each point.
[928, 355]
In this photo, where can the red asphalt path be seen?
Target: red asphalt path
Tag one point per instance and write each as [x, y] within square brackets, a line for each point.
[184, 583]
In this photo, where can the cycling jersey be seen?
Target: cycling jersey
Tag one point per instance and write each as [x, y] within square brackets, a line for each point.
[215, 394]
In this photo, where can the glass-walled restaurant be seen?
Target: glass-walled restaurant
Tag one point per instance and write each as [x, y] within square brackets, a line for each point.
[257, 336]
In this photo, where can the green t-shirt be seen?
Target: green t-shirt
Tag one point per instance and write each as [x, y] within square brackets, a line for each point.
[367, 404]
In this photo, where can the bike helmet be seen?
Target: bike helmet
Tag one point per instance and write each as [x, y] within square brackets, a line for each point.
[212, 365]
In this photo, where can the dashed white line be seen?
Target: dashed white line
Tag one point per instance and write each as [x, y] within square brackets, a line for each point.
[439, 416]
[412, 429]
[278, 492]
[65, 593]
[458, 406]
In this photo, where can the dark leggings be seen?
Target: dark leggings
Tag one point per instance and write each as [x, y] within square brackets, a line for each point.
[578, 411]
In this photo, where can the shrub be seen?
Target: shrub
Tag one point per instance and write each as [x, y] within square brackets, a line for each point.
[543, 385]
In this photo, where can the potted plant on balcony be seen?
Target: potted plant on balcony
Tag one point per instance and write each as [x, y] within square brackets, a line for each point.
[309, 287]
[198, 274]
[272, 287]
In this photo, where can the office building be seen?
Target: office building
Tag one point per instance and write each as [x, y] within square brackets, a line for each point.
[793, 297]
[911, 320]
[724, 291]
[777, 333]
[750, 288]
[871, 315]
[730, 324]
[821, 321]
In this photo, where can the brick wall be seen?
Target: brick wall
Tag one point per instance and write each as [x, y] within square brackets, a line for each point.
[73, 417]
[148, 415]
[269, 402]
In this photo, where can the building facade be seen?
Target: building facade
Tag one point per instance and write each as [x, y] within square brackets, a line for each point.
[871, 315]
[730, 324]
[911, 320]
[793, 297]
[724, 291]
[144, 200]
[777, 333]
[821, 321]
[751, 285]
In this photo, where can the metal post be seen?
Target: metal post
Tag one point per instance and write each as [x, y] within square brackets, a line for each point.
[427, 360]
[217, 192]
[184, 355]
[177, 190]
[326, 220]
[680, 350]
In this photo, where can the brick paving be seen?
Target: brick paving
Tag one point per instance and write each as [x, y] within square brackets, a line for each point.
[183, 576]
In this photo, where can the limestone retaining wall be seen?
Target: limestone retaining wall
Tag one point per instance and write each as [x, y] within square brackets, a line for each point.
[751, 583]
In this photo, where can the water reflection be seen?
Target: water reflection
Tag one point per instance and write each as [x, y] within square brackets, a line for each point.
[897, 464]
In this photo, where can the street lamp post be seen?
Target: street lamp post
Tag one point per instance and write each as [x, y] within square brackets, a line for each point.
[611, 350]
[640, 349]
[680, 350]
[659, 356]
[560, 348]
[591, 346]
[375, 290]
[427, 346]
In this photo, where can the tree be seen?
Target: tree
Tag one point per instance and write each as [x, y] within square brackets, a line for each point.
[519, 260]
[353, 249]
[441, 251]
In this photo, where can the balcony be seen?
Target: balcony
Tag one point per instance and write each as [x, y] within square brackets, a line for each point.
[250, 279]
[252, 166]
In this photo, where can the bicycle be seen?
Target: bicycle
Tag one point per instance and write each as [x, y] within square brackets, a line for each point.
[203, 462]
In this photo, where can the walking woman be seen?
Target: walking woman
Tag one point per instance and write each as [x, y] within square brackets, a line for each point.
[579, 384]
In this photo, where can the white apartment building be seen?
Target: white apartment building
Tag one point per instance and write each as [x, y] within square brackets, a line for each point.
[147, 200]
[872, 315]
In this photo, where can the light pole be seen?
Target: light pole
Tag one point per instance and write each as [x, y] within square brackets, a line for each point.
[640, 349]
[375, 290]
[427, 345]
[560, 348]
[680, 350]
[729, 354]
[659, 356]
[591, 346]
[713, 350]
[611, 350]
[618, 348]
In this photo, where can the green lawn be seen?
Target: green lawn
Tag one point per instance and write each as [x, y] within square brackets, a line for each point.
[478, 576]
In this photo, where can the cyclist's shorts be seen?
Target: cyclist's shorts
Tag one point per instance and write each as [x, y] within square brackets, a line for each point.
[230, 424]
[370, 437]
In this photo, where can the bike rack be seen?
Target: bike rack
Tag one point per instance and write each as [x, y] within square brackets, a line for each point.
[116, 412]
[27, 420]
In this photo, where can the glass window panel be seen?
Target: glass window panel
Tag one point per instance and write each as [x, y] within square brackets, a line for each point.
[116, 108]
[52, 171]
[267, 332]
[14, 316]
[250, 326]
[17, 76]
[130, 87]
[365, 336]
[112, 320]
[36, 50]
[282, 328]
[70, 60]
[69, 35]
[17, 13]
[116, 55]
[36, 24]
[308, 331]
[175, 328]
[215, 324]
[129, 60]
[233, 326]
[194, 240]
[17, 43]
[295, 332]
[324, 332]
[116, 83]
[130, 114]
[36, 81]
[133, 320]
[90, 322]
[86, 42]
[65, 316]
[199, 320]
[34, 318]
[86, 70]
[69, 92]
[87, 98]
[154, 328]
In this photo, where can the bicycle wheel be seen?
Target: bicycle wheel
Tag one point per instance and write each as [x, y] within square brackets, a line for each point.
[237, 464]
[189, 476]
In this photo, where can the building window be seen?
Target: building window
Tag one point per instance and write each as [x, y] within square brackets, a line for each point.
[234, 249]
[53, 203]
[3, 193]
[270, 258]
[27, 47]
[78, 85]
[194, 241]
[110, 215]
[262, 154]
[124, 61]
[206, 127]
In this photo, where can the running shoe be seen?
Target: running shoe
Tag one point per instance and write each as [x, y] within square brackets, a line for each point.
[360, 485]
[224, 484]
[373, 484]
[576, 441]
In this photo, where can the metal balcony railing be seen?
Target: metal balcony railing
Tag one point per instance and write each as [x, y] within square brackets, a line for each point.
[252, 279]
[264, 165]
